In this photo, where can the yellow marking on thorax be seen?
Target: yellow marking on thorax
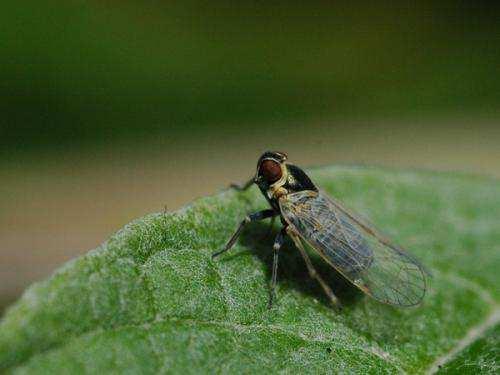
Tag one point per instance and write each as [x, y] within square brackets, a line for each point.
[279, 192]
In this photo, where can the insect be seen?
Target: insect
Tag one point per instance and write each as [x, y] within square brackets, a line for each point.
[347, 243]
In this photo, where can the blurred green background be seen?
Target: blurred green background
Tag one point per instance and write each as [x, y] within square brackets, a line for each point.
[114, 109]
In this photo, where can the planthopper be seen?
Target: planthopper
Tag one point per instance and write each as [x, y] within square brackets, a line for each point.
[347, 243]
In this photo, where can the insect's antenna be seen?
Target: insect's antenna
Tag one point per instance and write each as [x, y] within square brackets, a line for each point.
[244, 186]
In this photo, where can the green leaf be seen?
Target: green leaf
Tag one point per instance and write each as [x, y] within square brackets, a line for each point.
[150, 299]
[481, 357]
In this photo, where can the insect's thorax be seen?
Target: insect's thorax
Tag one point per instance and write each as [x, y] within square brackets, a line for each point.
[293, 180]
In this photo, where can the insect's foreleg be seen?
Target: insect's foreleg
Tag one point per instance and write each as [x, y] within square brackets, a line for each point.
[278, 242]
[242, 187]
[264, 214]
[312, 271]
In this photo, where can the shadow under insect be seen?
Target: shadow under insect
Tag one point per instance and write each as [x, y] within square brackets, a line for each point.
[292, 271]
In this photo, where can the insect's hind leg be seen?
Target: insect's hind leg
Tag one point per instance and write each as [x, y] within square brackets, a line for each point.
[278, 242]
[312, 271]
[260, 215]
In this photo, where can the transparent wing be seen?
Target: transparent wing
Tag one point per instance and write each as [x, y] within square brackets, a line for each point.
[355, 248]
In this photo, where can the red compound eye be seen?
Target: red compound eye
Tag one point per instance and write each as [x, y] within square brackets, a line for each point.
[270, 171]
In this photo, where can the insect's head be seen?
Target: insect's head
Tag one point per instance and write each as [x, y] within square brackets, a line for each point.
[270, 168]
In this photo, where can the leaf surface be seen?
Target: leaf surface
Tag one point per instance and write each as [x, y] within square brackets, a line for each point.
[150, 299]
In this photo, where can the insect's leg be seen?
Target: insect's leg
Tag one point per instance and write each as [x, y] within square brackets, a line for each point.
[271, 225]
[264, 214]
[312, 271]
[278, 242]
[242, 187]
